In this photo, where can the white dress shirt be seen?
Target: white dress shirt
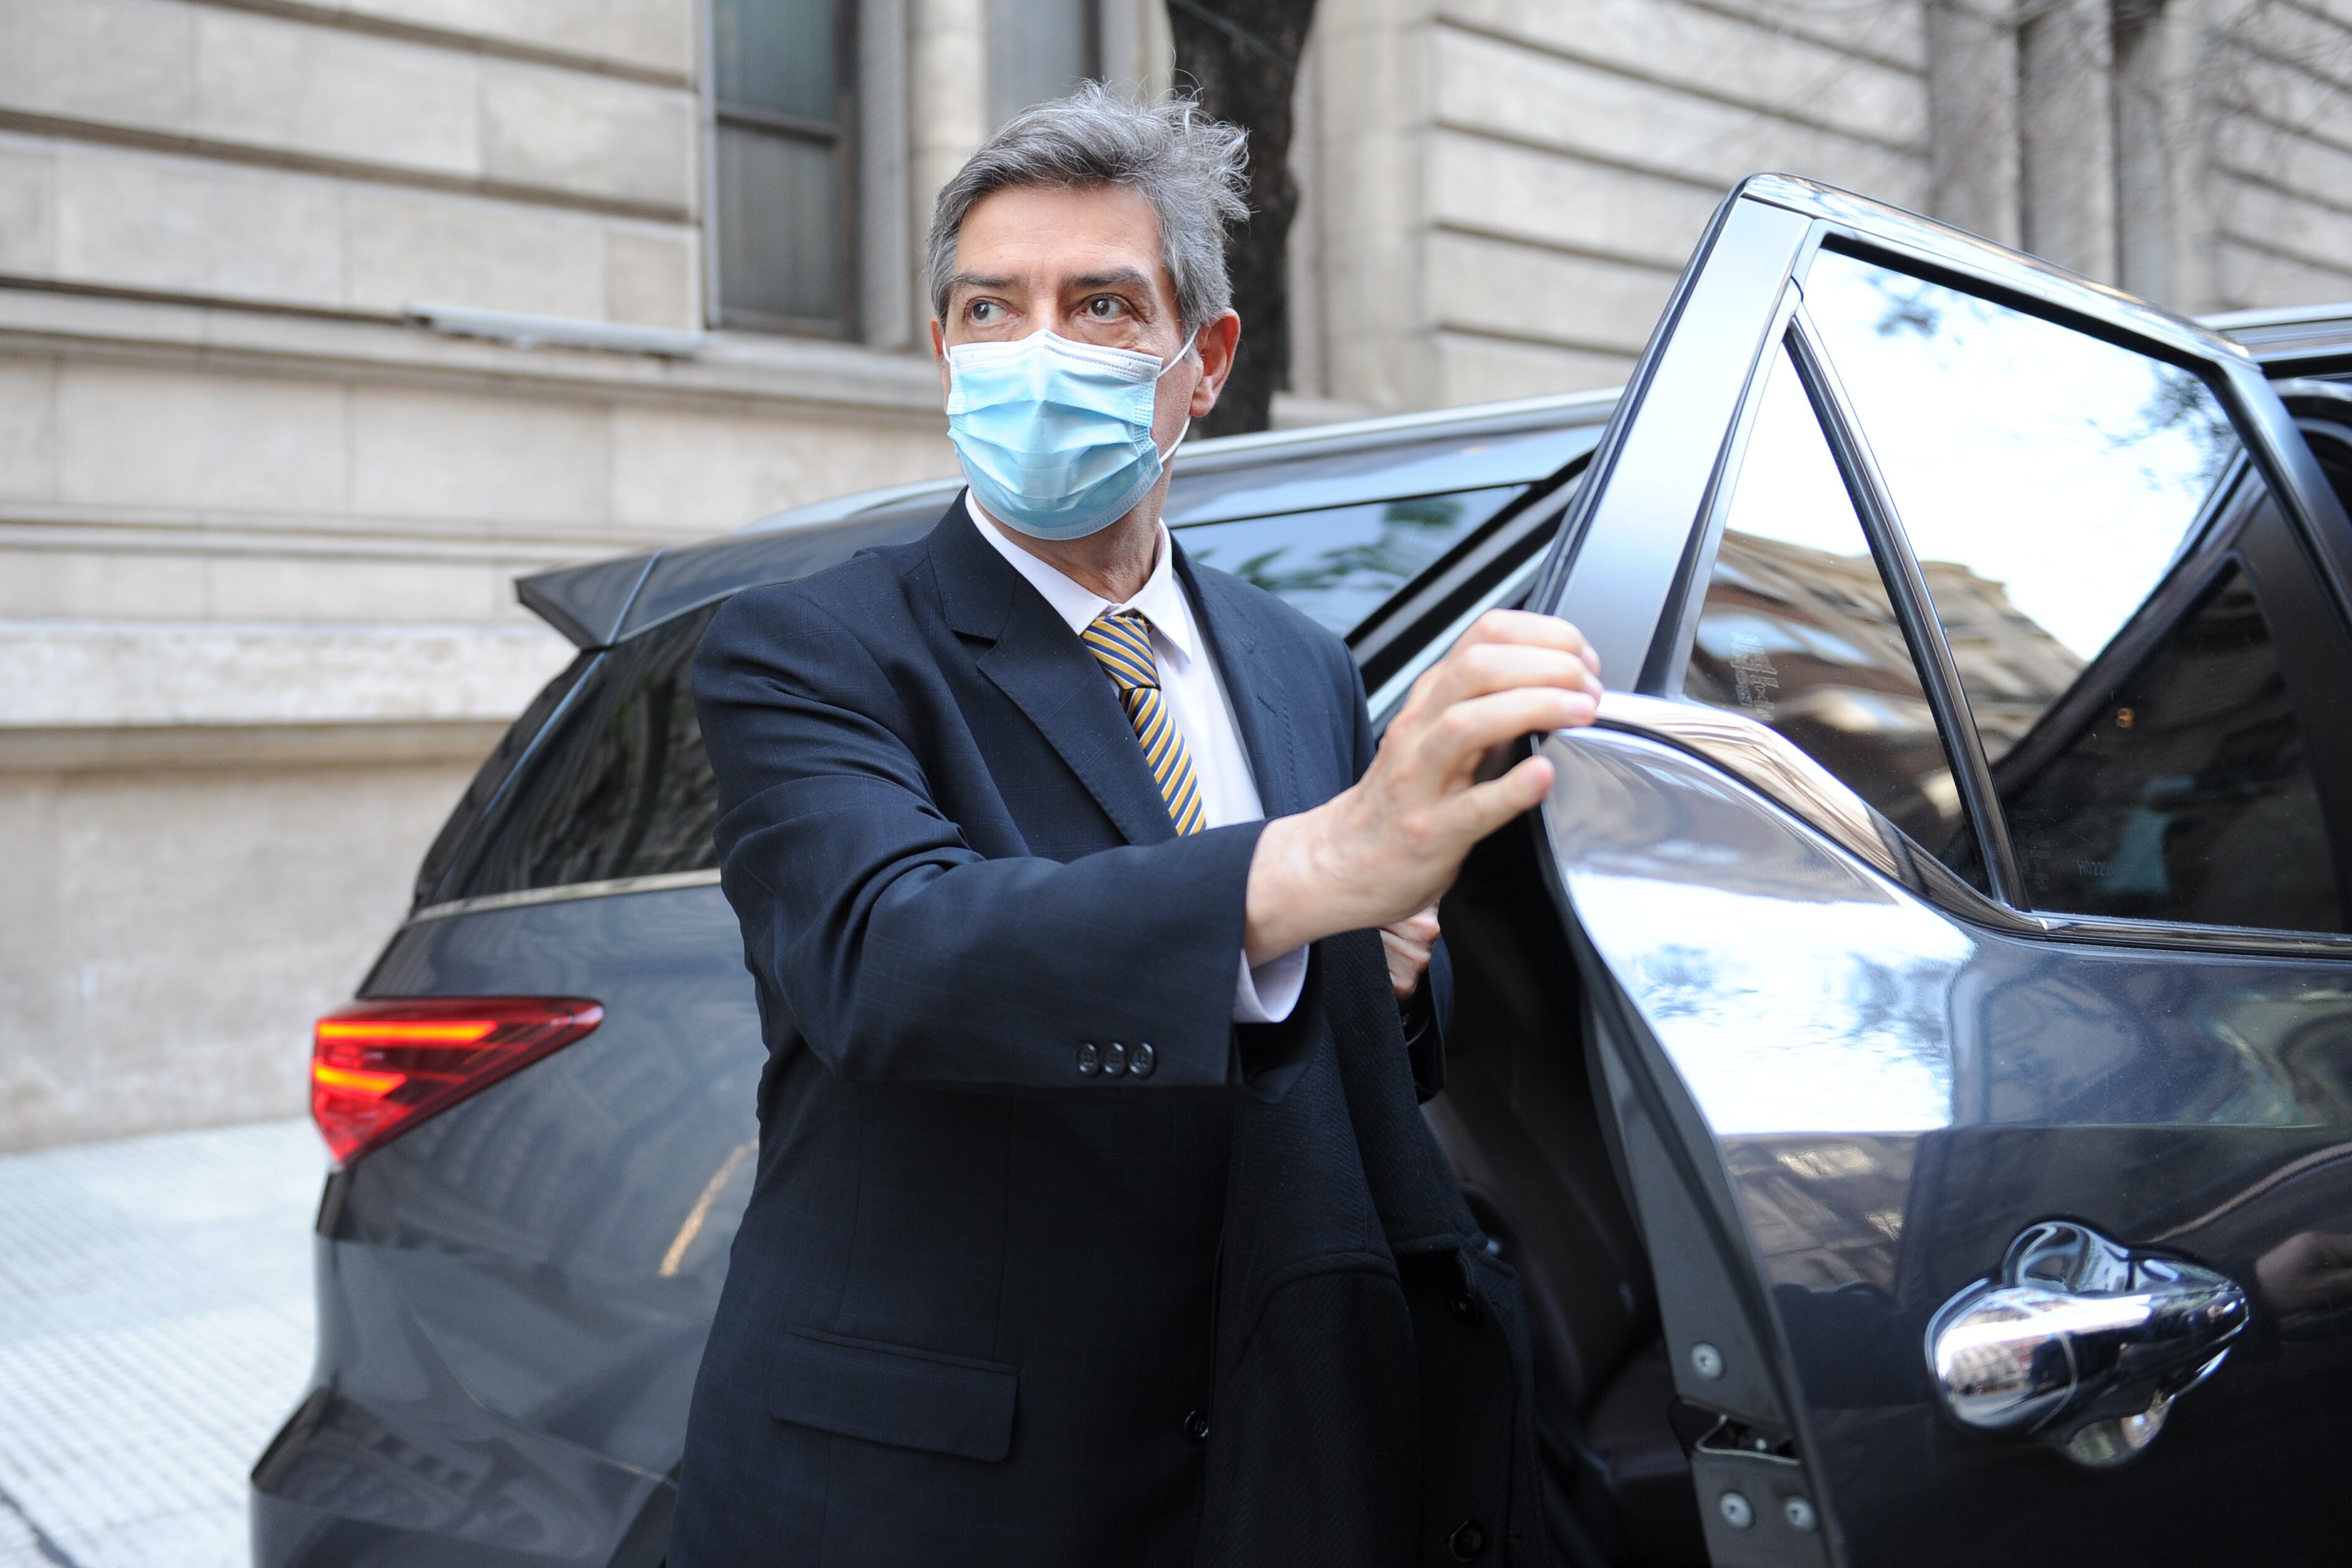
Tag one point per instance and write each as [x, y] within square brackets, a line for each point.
[1195, 696]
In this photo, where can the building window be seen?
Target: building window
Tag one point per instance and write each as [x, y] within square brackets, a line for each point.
[1039, 49]
[783, 78]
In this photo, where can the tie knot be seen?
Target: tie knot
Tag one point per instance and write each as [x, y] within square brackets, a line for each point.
[1121, 645]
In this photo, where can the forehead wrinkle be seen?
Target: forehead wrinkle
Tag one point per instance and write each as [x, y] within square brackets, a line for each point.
[980, 280]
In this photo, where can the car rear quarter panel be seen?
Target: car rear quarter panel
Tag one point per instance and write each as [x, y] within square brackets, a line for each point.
[545, 1258]
[561, 1236]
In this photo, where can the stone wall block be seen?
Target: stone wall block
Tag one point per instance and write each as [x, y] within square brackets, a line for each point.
[2287, 160]
[698, 472]
[1509, 90]
[1548, 199]
[121, 62]
[35, 1073]
[130, 1034]
[659, 33]
[653, 278]
[2315, 242]
[418, 248]
[264, 81]
[650, 33]
[590, 136]
[352, 590]
[28, 199]
[1542, 297]
[1483, 370]
[28, 429]
[49, 582]
[2285, 95]
[146, 437]
[2301, 37]
[139, 220]
[1747, 62]
[506, 462]
[2253, 279]
[316, 670]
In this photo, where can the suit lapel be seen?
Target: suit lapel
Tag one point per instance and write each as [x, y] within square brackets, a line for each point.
[1256, 691]
[1036, 661]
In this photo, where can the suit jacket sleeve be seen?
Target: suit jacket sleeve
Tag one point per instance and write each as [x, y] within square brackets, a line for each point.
[904, 955]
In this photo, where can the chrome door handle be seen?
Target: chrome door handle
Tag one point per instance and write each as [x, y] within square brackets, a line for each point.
[2080, 1343]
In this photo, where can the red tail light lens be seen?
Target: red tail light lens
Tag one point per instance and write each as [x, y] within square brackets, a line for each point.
[378, 1069]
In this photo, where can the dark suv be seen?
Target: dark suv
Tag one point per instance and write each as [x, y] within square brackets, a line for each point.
[1912, 1049]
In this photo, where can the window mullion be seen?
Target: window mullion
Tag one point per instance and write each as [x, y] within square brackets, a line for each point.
[1875, 505]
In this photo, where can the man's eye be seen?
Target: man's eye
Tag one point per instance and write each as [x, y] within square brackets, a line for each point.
[1103, 307]
[984, 311]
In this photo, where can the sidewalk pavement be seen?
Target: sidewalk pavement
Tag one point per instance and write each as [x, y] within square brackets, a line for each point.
[155, 1328]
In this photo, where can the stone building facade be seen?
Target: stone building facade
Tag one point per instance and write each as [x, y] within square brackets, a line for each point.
[321, 319]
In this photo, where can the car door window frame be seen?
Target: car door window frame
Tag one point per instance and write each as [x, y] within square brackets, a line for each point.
[2275, 463]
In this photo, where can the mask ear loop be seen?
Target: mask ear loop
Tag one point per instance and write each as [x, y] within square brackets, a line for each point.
[1191, 349]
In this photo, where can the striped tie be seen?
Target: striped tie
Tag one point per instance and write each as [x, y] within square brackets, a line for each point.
[1121, 645]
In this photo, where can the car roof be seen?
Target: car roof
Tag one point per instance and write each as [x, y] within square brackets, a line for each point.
[1388, 458]
[2294, 339]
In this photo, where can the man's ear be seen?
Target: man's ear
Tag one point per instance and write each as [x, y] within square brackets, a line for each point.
[939, 352]
[1220, 337]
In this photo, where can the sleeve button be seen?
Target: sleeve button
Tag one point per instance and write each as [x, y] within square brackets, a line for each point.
[1114, 1060]
[1090, 1061]
[1141, 1061]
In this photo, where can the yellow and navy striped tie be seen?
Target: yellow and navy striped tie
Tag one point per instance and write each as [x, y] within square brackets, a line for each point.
[1121, 645]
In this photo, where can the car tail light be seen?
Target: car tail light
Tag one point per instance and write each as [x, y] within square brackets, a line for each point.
[378, 1069]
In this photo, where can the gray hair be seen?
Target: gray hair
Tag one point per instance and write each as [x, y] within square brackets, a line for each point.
[1188, 166]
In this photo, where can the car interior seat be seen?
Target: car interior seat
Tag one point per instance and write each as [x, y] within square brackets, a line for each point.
[1520, 1122]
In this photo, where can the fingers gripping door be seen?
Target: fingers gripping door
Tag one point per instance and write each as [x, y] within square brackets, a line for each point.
[1961, 883]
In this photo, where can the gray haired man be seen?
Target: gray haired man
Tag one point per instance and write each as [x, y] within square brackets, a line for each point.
[1095, 946]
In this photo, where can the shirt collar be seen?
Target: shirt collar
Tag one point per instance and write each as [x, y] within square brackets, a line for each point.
[1160, 599]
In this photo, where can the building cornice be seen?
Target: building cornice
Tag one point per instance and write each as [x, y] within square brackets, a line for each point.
[731, 369]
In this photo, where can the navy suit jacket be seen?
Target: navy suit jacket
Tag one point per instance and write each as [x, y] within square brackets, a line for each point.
[972, 1313]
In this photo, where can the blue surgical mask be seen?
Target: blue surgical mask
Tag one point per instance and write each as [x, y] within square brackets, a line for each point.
[1056, 436]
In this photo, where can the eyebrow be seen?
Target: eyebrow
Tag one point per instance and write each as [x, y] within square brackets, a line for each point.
[1126, 275]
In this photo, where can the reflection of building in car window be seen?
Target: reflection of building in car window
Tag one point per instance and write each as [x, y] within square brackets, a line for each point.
[2010, 668]
[1807, 641]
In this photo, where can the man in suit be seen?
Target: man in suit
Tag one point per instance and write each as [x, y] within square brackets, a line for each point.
[1093, 1221]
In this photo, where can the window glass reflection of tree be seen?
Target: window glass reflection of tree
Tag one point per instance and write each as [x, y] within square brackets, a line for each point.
[1339, 564]
[2046, 480]
[1798, 630]
[2050, 483]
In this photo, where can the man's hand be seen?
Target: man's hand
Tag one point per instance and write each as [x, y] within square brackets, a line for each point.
[1386, 848]
[1408, 943]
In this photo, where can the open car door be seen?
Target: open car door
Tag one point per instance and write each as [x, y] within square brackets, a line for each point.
[1962, 876]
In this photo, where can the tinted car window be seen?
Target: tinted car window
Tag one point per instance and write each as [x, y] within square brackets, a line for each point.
[2052, 484]
[1379, 468]
[1339, 564]
[2047, 480]
[2182, 793]
[619, 786]
[1796, 630]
